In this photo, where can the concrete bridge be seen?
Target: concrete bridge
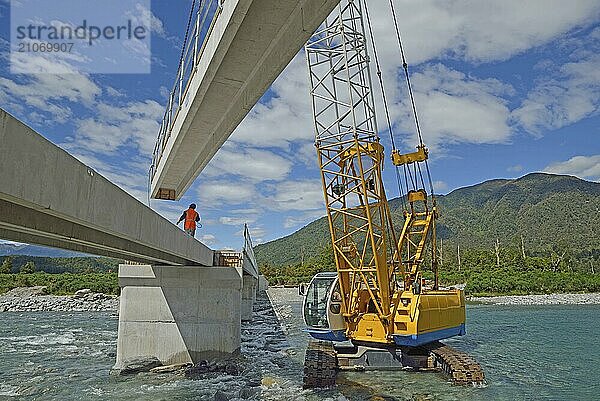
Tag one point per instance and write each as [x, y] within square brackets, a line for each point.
[182, 302]
[224, 74]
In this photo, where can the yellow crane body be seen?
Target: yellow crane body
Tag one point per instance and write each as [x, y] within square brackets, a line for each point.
[377, 299]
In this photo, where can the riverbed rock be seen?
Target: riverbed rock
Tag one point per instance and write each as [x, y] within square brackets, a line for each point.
[249, 392]
[137, 365]
[82, 293]
[170, 368]
[91, 302]
[221, 396]
[27, 291]
[233, 366]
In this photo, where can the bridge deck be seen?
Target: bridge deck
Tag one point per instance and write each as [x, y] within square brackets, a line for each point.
[48, 197]
[250, 43]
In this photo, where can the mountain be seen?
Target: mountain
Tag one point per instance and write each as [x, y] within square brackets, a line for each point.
[8, 249]
[548, 211]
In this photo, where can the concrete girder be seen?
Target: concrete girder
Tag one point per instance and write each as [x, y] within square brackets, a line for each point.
[253, 41]
[48, 197]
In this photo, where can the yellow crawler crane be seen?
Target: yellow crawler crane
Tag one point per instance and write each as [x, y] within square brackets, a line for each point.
[377, 305]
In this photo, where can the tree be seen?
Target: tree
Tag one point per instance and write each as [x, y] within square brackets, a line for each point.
[7, 265]
[28, 268]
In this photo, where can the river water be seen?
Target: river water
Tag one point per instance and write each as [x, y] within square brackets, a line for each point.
[527, 352]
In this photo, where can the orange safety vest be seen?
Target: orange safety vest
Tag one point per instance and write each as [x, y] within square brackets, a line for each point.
[190, 219]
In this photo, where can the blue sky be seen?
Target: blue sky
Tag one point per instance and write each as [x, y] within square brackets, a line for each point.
[503, 88]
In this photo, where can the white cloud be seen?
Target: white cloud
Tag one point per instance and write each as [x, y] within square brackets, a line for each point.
[515, 169]
[479, 31]
[254, 164]
[46, 92]
[302, 195]
[303, 219]
[440, 186]
[587, 167]
[208, 239]
[114, 126]
[215, 194]
[454, 107]
[257, 234]
[286, 117]
[144, 17]
[567, 97]
[235, 221]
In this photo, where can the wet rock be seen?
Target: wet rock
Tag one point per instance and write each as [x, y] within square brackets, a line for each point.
[198, 369]
[221, 396]
[170, 368]
[233, 366]
[137, 365]
[249, 392]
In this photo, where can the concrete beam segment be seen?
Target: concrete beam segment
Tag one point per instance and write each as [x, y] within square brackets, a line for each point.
[252, 43]
[178, 314]
[48, 197]
[249, 266]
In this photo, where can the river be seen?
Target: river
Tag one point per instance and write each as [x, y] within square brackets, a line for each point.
[527, 352]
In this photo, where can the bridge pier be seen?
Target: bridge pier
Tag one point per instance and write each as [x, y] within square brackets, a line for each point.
[249, 289]
[178, 314]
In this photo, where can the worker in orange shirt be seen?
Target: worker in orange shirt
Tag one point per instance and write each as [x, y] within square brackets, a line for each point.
[190, 217]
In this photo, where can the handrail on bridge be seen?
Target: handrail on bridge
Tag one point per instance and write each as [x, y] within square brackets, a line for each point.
[206, 17]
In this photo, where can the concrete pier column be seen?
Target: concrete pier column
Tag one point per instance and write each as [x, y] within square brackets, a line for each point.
[263, 284]
[249, 288]
[178, 314]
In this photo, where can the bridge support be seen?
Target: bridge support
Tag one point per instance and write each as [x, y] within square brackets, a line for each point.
[249, 289]
[178, 314]
[263, 284]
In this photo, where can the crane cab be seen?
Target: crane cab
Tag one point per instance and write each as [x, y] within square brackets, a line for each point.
[322, 308]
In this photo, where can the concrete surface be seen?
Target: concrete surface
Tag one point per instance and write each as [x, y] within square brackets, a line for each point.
[263, 284]
[178, 314]
[252, 42]
[249, 288]
[48, 197]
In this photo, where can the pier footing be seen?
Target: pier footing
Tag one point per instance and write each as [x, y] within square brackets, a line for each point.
[178, 314]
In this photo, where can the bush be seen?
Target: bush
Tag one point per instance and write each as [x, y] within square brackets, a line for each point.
[62, 284]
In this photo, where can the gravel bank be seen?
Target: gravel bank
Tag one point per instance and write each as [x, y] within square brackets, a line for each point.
[548, 299]
[19, 300]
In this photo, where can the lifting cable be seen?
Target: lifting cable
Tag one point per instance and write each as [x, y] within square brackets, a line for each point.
[385, 103]
[410, 91]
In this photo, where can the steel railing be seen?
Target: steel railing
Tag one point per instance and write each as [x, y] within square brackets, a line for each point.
[206, 17]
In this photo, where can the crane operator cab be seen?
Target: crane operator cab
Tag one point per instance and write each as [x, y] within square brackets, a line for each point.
[322, 308]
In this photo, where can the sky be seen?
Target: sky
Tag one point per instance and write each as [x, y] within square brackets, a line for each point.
[502, 88]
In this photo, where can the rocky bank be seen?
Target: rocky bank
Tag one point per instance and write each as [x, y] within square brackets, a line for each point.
[34, 299]
[546, 299]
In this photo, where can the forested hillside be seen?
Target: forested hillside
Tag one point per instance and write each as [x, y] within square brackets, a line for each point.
[548, 214]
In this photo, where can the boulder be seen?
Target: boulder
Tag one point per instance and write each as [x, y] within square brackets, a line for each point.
[170, 368]
[82, 293]
[221, 396]
[137, 365]
[27, 291]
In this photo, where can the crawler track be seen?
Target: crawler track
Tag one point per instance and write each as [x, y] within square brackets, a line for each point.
[461, 368]
[320, 365]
